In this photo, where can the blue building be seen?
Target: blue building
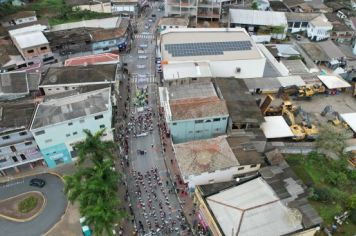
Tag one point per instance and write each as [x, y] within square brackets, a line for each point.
[110, 40]
[58, 124]
[193, 111]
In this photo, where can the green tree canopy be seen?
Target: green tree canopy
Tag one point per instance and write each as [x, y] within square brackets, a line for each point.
[331, 141]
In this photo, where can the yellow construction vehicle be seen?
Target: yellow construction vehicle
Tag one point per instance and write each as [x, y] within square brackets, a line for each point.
[269, 110]
[333, 117]
[310, 90]
[310, 130]
[297, 130]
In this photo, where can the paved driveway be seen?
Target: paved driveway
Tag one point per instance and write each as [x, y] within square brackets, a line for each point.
[55, 207]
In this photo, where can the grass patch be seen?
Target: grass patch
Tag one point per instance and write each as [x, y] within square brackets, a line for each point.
[330, 184]
[28, 204]
[77, 15]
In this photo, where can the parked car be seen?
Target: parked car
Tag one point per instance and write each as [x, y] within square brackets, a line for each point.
[36, 182]
[153, 15]
[150, 20]
[141, 66]
[142, 57]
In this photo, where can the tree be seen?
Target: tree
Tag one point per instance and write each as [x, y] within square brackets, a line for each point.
[331, 141]
[254, 5]
[95, 185]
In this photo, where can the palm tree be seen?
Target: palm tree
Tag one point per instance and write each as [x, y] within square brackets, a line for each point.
[95, 186]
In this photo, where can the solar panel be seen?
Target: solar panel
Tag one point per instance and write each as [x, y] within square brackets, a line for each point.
[204, 49]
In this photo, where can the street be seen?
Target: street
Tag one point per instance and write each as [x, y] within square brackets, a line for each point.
[151, 194]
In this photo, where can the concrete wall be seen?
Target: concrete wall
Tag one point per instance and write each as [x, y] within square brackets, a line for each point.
[187, 130]
[219, 175]
[19, 21]
[15, 137]
[56, 142]
[248, 68]
[36, 52]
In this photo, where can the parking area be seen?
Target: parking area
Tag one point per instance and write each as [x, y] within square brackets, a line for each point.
[51, 214]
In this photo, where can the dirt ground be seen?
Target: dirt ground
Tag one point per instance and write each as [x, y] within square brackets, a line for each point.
[9, 207]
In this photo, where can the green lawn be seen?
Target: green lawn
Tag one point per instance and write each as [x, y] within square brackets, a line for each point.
[28, 204]
[318, 172]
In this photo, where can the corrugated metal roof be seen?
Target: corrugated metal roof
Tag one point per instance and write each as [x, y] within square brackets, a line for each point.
[253, 17]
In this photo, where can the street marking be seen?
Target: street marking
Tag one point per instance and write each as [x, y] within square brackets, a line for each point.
[7, 185]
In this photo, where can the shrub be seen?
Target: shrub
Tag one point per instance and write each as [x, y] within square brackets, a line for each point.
[351, 201]
[321, 194]
[28, 204]
[353, 216]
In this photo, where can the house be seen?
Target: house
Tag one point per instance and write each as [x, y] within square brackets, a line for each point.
[105, 23]
[60, 79]
[172, 22]
[59, 123]
[319, 28]
[125, 7]
[229, 52]
[15, 85]
[193, 111]
[18, 18]
[278, 6]
[32, 44]
[273, 204]
[307, 6]
[103, 6]
[341, 32]
[18, 149]
[298, 22]
[10, 58]
[110, 40]
[215, 160]
[259, 22]
[98, 59]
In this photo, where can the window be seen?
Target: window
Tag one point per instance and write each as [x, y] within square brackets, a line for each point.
[253, 166]
[49, 89]
[28, 143]
[75, 133]
[57, 88]
[98, 117]
[48, 140]
[106, 49]
[211, 181]
[30, 51]
[14, 158]
[207, 121]
[240, 168]
[6, 137]
[67, 135]
[23, 157]
[217, 129]
[199, 121]
[81, 121]
[224, 118]
[43, 48]
[296, 24]
[40, 132]
[198, 131]
[175, 123]
[193, 79]
[304, 24]
[102, 126]
[216, 119]
[70, 123]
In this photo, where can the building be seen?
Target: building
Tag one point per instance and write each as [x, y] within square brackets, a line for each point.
[105, 23]
[32, 44]
[229, 52]
[98, 59]
[111, 40]
[60, 79]
[125, 7]
[193, 111]
[10, 58]
[298, 22]
[59, 123]
[204, 10]
[341, 32]
[18, 149]
[172, 22]
[274, 204]
[18, 18]
[259, 22]
[103, 6]
[319, 28]
[215, 160]
[15, 85]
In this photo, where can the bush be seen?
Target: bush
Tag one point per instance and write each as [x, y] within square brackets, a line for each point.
[353, 216]
[321, 194]
[28, 204]
[351, 201]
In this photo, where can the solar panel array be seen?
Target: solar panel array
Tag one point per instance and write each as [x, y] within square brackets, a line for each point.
[204, 49]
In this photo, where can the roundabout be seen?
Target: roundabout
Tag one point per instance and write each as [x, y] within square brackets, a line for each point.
[40, 210]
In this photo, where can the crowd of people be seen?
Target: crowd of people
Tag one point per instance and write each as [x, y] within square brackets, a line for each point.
[141, 98]
[142, 123]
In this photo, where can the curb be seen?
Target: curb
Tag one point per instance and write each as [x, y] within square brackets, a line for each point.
[29, 218]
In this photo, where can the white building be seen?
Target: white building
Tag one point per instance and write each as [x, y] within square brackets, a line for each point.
[259, 22]
[229, 52]
[215, 160]
[21, 17]
[319, 28]
[172, 22]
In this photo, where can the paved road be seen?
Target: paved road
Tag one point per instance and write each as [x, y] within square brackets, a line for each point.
[51, 214]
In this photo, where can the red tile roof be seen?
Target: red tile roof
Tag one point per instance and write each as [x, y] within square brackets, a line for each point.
[92, 59]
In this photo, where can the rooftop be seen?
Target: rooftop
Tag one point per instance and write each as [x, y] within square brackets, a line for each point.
[80, 74]
[330, 49]
[179, 21]
[278, 6]
[191, 91]
[13, 83]
[15, 115]
[209, 155]
[19, 15]
[106, 23]
[195, 108]
[333, 81]
[202, 44]
[30, 39]
[107, 34]
[350, 119]
[253, 208]
[6, 51]
[255, 17]
[43, 22]
[295, 66]
[186, 70]
[321, 21]
[276, 127]
[69, 108]
[83, 2]
[245, 150]
[314, 51]
[303, 17]
[56, 38]
[104, 58]
[241, 104]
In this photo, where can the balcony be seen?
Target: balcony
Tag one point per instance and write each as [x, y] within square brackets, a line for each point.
[182, 3]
